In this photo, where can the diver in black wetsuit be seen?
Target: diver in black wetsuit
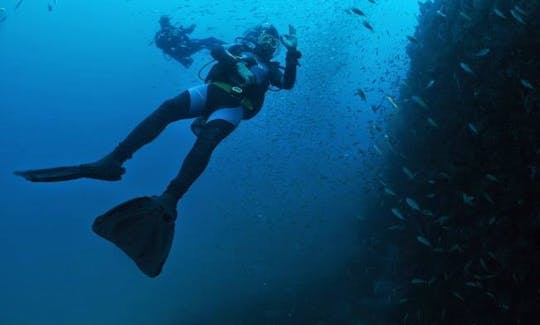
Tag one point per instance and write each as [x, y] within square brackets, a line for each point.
[175, 42]
[234, 91]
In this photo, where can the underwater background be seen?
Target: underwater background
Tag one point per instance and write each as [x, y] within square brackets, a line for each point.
[395, 184]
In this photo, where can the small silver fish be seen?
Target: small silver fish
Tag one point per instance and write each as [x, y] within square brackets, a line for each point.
[482, 52]
[440, 13]
[517, 17]
[18, 4]
[527, 84]
[466, 68]
[467, 199]
[377, 149]
[432, 122]
[474, 284]
[457, 295]
[489, 199]
[392, 101]
[3, 15]
[389, 191]
[424, 241]
[442, 220]
[430, 84]
[418, 281]
[418, 100]
[492, 178]
[473, 128]
[499, 13]
[397, 213]
[412, 203]
[407, 172]
[465, 16]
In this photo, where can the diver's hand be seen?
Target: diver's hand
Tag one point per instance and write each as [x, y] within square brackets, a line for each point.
[290, 41]
[245, 73]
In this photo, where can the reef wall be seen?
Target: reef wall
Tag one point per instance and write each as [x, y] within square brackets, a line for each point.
[462, 174]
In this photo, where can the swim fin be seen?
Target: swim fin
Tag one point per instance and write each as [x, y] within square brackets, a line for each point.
[143, 228]
[104, 169]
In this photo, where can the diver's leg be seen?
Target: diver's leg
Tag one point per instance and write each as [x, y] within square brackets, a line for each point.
[188, 104]
[219, 125]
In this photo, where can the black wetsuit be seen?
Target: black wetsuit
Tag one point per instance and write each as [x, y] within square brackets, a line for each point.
[175, 42]
[221, 110]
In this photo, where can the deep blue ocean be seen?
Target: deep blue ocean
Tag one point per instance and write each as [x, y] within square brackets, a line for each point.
[276, 211]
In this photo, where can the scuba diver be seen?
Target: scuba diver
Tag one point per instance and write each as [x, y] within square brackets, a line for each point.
[234, 90]
[175, 42]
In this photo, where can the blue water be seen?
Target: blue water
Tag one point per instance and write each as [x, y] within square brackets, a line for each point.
[277, 209]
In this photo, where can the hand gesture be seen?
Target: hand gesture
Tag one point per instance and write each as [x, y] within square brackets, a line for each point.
[290, 41]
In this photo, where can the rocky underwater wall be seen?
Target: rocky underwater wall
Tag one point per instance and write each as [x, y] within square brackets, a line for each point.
[461, 189]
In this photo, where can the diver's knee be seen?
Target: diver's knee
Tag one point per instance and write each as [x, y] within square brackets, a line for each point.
[216, 130]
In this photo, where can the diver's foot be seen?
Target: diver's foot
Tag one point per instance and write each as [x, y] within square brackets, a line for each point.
[168, 202]
[106, 169]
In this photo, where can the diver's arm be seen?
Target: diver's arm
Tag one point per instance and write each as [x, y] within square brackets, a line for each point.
[225, 55]
[287, 79]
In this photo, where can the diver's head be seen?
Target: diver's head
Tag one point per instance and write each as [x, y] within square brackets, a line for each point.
[263, 39]
[165, 21]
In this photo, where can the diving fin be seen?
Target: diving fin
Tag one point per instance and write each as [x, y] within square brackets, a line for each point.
[143, 228]
[105, 169]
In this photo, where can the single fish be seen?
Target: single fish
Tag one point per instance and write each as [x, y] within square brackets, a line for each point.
[368, 25]
[407, 172]
[483, 264]
[412, 39]
[372, 1]
[467, 199]
[418, 100]
[432, 122]
[466, 68]
[360, 92]
[474, 284]
[441, 14]
[418, 281]
[3, 15]
[430, 195]
[517, 17]
[465, 16]
[430, 84]
[442, 220]
[392, 102]
[389, 191]
[499, 13]
[18, 4]
[412, 203]
[489, 199]
[377, 149]
[358, 12]
[483, 52]
[397, 213]
[492, 178]
[424, 241]
[457, 295]
[473, 128]
[527, 84]
[455, 248]
[520, 10]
